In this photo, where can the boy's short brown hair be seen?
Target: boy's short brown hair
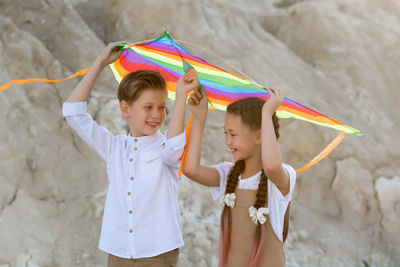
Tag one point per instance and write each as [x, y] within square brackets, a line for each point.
[133, 84]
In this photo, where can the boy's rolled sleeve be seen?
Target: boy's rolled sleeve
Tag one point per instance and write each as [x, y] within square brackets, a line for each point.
[172, 149]
[73, 109]
[97, 137]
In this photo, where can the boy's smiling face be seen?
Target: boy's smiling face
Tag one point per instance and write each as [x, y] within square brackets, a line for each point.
[147, 113]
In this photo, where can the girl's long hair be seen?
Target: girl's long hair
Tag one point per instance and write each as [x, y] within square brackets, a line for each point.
[250, 112]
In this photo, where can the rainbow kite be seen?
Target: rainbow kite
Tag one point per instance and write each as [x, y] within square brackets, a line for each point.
[222, 87]
[172, 60]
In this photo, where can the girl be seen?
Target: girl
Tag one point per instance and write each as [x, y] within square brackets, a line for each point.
[256, 189]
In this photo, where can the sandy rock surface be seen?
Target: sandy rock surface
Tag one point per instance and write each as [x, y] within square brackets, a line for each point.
[340, 57]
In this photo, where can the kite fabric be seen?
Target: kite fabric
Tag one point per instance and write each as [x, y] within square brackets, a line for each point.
[171, 59]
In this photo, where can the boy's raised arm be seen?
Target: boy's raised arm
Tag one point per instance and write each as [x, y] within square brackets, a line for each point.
[82, 91]
[185, 84]
[74, 109]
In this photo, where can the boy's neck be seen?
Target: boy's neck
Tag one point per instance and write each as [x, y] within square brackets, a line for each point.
[133, 134]
[136, 135]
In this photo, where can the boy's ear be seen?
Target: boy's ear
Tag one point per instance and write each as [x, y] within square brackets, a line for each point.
[123, 105]
[258, 137]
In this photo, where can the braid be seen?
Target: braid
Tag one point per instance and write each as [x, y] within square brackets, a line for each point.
[262, 197]
[262, 191]
[233, 176]
[226, 218]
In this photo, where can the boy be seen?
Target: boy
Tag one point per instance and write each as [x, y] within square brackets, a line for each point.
[141, 222]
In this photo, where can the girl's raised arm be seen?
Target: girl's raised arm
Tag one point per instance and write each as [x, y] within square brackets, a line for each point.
[270, 153]
[204, 175]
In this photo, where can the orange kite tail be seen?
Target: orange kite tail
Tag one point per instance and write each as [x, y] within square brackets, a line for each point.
[5, 86]
[335, 142]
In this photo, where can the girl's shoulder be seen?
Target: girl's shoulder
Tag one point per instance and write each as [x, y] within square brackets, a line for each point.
[275, 193]
[291, 171]
[223, 168]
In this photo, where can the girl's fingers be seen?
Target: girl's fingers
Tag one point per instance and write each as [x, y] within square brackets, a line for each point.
[275, 92]
[198, 94]
[194, 102]
[196, 98]
[271, 93]
[191, 98]
[279, 92]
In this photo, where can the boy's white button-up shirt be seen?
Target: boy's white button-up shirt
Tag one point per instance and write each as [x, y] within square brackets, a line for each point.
[141, 215]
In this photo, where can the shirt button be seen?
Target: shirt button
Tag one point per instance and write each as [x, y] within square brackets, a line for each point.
[130, 212]
[135, 148]
[135, 140]
[131, 178]
[129, 193]
[131, 159]
[130, 231]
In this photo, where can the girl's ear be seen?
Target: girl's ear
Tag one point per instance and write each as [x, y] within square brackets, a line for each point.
[258, 137]
[123, 105]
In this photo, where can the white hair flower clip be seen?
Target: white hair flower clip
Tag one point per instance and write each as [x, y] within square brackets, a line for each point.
[258, 215]
[228, 199]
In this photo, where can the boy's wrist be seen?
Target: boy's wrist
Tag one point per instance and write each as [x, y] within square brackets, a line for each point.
[181, 95]
[100, 63]
[181, 91]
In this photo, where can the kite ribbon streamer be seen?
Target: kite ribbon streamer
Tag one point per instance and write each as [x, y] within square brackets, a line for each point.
[187, 128]
[324, 152]
[5, 86]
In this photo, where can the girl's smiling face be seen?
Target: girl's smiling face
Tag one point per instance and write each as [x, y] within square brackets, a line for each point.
[147, 113]
[240, 139]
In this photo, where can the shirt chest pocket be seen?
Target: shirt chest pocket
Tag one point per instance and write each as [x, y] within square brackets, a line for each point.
[150, 162]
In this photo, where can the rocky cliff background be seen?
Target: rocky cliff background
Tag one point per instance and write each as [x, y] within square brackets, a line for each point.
[340, 57]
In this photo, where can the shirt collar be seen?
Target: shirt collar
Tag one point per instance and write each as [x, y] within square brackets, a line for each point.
[145, 138]
[251, 177]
